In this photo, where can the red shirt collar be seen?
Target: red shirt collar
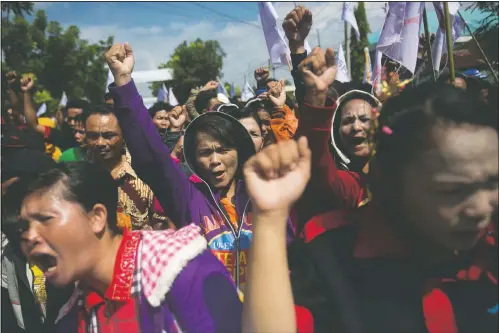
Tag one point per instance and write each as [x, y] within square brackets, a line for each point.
[124, 268]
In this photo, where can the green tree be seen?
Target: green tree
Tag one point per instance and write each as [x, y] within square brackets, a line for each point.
[59, 59]
[192, 65]
[491, 21]
[357, 59]
[19, 8]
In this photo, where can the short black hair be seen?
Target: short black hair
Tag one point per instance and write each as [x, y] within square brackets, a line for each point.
[246, 113]
[203, 99]
[409, 118]
[77, 104]
[83, 183]
[159, 106]
[257, 104]
[100, 109]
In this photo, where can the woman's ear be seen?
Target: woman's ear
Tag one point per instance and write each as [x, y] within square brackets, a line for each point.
[98, 219]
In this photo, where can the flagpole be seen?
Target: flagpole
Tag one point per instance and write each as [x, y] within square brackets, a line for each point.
[347, 48]
[479, 48]
[450, 54]
[428, 44]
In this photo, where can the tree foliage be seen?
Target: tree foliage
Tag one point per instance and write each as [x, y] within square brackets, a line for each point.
[491, 21]
[357, 59]
[19, 8]
[192, 65]
[59, 59]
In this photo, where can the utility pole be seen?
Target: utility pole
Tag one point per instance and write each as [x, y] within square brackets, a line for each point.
[347, 48]
[318, 38]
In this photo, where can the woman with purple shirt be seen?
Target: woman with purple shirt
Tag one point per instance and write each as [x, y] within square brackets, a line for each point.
[131, 282]
[216, 146]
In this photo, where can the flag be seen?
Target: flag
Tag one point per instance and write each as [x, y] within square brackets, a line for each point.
[221, 89]
[368, 73]
[378, 68]
[247, 92]
[348, 16]
[232, 90]
[399, 39]
[277, 43]
[342, 74]
[64, 99]
[172, 100]
[439, 46]
[110, 79]
[41, 110]
[162, 94]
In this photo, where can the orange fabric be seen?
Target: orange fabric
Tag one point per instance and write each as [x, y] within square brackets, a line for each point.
[230, 208]
[283, 123]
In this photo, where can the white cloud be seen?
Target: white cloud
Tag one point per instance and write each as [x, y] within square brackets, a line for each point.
[244, 45]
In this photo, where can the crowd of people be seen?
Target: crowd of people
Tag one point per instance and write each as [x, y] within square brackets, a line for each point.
[333, 210]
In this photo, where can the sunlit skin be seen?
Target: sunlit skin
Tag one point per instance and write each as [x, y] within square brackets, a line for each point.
[56, 232]
[80, 133]
[161, 120]
[71, 116]
[355, 128]
[104, 137]
[450, 192]
[216, 164]
[254, 130]
[265, 118]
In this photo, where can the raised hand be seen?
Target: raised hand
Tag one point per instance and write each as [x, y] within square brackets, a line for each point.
[120, 60]
[276, 94]
[276, 177]
[27, 84]
[297, 25]
[261, 74]
[318, 71]
[11, 78]
[177, 117]
[212, 85]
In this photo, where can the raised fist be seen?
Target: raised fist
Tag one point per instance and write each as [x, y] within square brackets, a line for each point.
[212, 85]
[177, 116]
[27, 84]
[276, 177]
[318, 71]
[297, 24]
[276, 94]
[261, 74]
[11, 78]
[120, 60]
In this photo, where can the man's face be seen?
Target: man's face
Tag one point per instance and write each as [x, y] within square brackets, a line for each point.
[265, 118]
[161, 120]
[79, 133]
[58, 237]
[450, 191]
[217, 164]
[104, 137]
[72, 116]
[355, 128]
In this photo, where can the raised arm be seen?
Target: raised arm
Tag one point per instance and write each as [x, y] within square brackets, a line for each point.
[283, 122]
[275, 179]
[27, 85]
[297, 25]
[150, 156]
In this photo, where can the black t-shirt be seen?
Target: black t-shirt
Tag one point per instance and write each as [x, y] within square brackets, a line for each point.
[62, 138]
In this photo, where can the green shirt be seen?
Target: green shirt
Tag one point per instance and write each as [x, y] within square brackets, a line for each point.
[75, 154]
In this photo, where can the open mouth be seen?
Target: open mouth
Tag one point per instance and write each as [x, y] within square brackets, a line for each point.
[46, 262]
[219, 175]
[356, 141]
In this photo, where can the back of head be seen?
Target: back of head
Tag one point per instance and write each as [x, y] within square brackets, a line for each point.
[202, 102]
[25, 163]
[82, 183]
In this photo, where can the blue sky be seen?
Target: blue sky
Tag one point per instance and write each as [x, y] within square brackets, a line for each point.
[154, 29]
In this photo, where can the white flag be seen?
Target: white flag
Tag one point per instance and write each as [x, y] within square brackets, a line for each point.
[348, 16]
[64, 99]
[41, 110]
[162, 94]
[110, 79]
[399, 39]
[247, 92]
[439, 46]
[378, 67]
[274, 35]
[342, 74]
[172, 100]
[368, 72]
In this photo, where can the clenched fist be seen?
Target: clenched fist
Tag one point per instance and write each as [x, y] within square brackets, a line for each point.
[212, 85]
[318, 71]
[120, 60]
[261, 74]
[276, 177]
[297, 25]
[27, 84]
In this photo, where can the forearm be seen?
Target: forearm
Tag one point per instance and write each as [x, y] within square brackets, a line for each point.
[30, 114]
[190, 106]
[14, 100]
[269, 304]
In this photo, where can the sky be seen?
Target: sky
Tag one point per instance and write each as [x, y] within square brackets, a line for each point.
[154, 29]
